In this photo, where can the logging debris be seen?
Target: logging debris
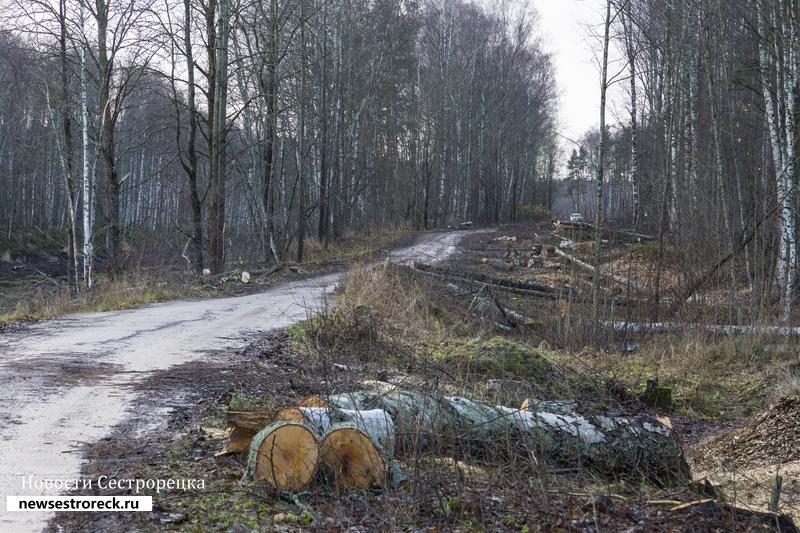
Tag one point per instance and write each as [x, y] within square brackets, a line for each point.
[771, 438]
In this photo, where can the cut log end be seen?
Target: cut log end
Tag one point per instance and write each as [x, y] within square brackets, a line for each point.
[313, 401]
[290, 414]
[247, 423]
[286, 456]
[349, 456]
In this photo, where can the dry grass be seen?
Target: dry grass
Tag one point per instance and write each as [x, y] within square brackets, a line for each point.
[135, 289]
[352, 246]
[728, 377]
[390, 317]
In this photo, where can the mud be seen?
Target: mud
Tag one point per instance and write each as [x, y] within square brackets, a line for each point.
[67, 382]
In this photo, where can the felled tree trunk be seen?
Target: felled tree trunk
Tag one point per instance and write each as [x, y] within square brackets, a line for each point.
[617, 279]
[351, 458]
[245, 424]
[637, 447]
[374, 422]
[315, 414]
[285, 455]
[355, 448]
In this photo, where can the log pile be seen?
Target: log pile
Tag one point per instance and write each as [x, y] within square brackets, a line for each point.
[352, 449]
[353, 439]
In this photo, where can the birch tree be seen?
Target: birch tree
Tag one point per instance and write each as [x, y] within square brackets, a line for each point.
[778, 58]
[601, 155]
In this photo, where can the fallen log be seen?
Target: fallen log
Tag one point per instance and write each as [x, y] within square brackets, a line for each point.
[531, 288]
[284, 455]
[501, 265]
[267, 271]
[355, 448]
[638, 447]
[719, 329]
[249, 419]
[351, 458]
[315, 414]
[312, 401]
[236, 273]
[633, 235]
[375, 422]
[607, 232]
[617, 279]
[245, 424]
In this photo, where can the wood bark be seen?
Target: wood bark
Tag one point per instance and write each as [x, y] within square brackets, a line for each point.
[638, 447]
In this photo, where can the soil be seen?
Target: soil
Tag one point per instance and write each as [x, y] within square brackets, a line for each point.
[177, 435]
[178, 430]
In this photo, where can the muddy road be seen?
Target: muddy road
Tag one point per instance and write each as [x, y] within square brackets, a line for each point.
[66, 382]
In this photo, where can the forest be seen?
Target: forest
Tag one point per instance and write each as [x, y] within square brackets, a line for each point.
[189, 150]
[265, 124]
[246, 129]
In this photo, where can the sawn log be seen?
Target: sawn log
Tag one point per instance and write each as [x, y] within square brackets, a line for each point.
[637, 447]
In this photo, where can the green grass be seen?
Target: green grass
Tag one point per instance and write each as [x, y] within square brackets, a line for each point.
[496, 357]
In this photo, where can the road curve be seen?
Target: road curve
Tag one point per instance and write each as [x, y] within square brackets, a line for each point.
[67, 381]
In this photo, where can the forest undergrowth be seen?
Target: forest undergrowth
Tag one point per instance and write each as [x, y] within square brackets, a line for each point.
[393, 325]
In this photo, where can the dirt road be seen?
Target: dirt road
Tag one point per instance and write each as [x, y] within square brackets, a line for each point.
[66, 382]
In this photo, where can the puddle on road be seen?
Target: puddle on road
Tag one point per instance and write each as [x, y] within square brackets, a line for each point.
[58, 372]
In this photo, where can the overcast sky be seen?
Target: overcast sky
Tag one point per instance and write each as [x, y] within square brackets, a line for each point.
[565, 29]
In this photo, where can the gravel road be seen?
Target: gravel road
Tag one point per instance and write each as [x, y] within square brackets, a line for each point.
[66, 382]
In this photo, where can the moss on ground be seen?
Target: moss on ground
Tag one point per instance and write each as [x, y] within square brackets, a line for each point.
[496, 357]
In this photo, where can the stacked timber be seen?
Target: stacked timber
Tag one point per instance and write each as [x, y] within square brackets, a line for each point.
[352, 438]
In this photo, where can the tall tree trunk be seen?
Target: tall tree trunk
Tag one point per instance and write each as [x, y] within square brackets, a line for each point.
[218, 135]
[631, 52]
[105, 68]
[322, 226]
[301, 203]
[67, 156]
[601, 155]
[726, 212]
[190, 163]
[269, 87]
[89, 181]
[780, 119]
